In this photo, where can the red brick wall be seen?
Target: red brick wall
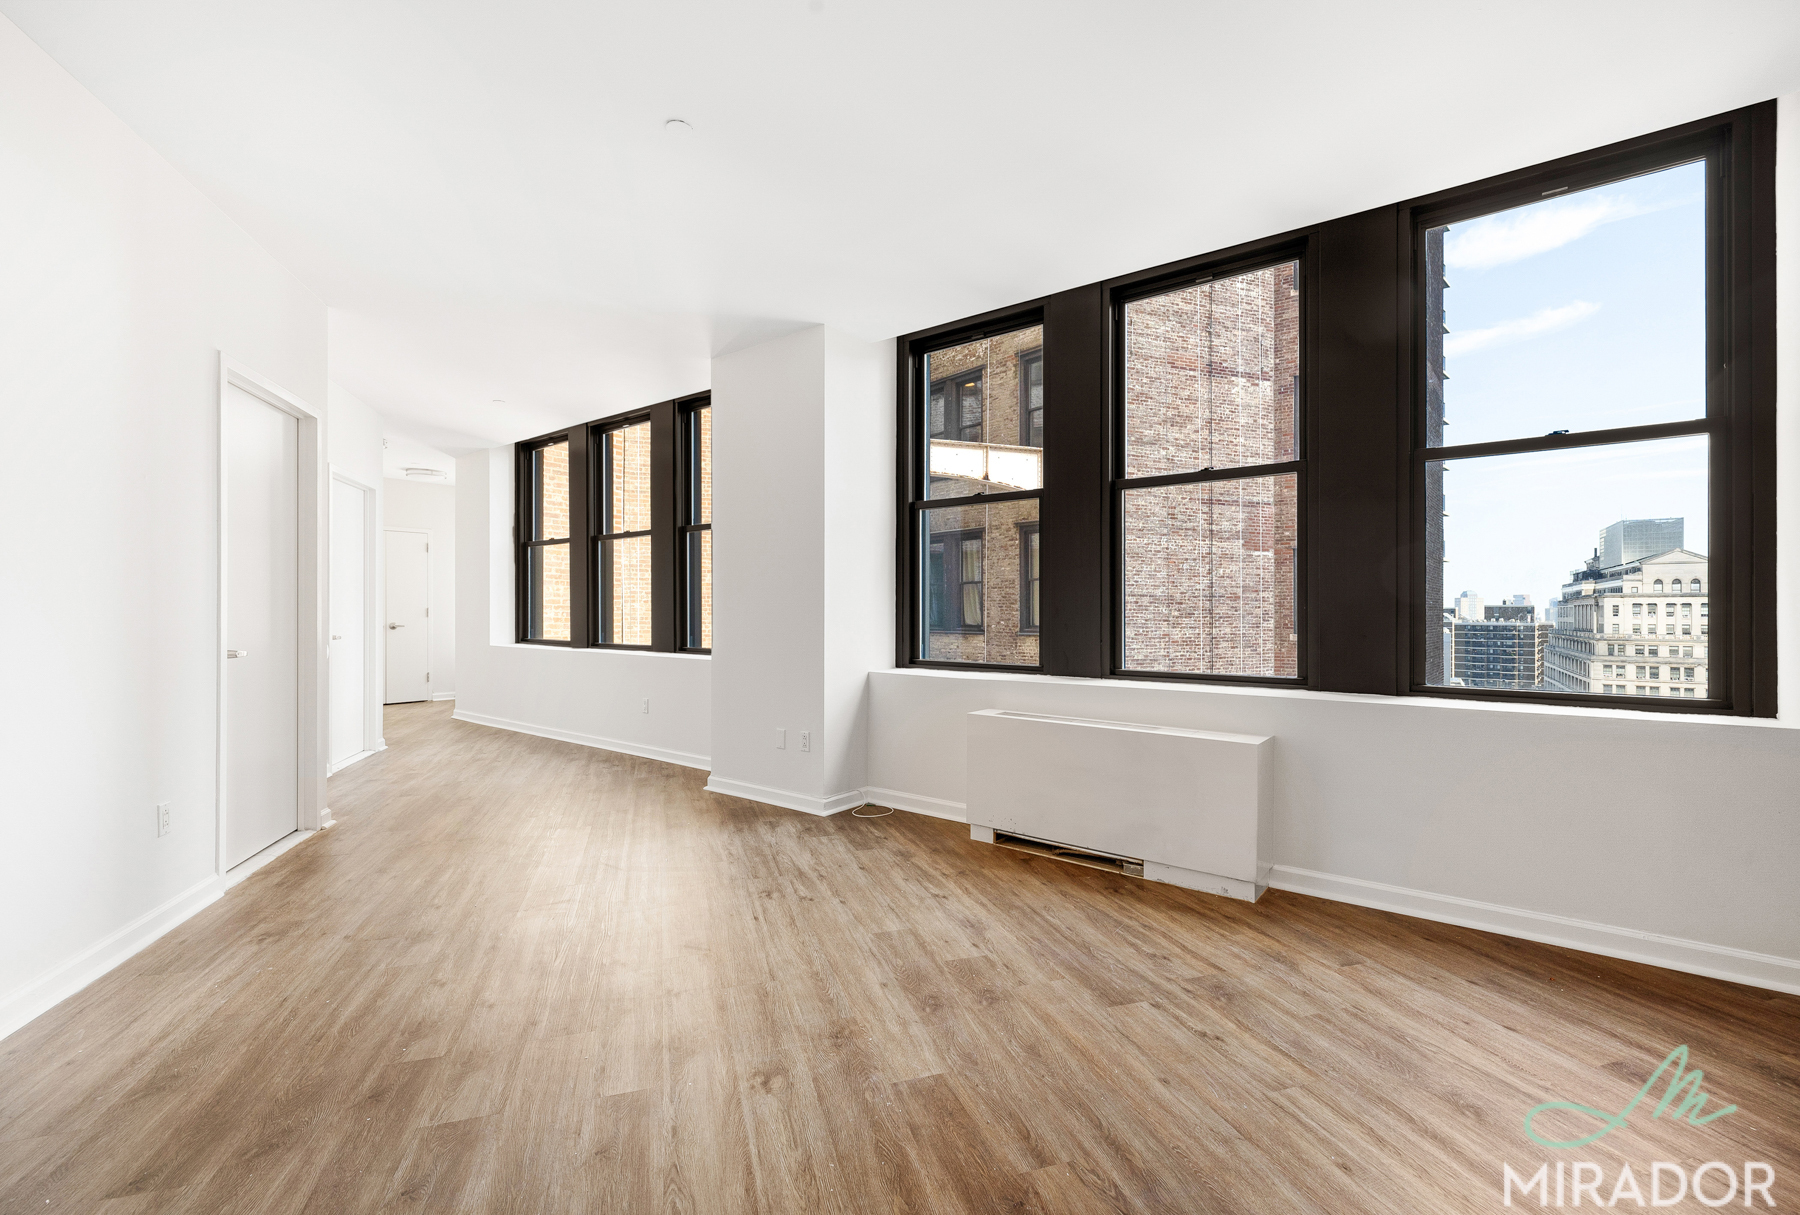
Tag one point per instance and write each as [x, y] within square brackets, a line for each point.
[1209, 568]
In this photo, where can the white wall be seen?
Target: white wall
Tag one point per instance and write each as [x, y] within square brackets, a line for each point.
[119, 287]
[593, 697]
[803, 459]
[356, 451]
[430, 507]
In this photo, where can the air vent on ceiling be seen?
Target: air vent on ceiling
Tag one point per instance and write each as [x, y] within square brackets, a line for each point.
[424, 474]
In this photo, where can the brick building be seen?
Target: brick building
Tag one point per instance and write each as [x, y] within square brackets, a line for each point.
[1212, 374]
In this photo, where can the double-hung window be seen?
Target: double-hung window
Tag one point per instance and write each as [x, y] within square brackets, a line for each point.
[613, 532]
[973, 505]
[1311, 459]
[696, 527]
[1209, 476]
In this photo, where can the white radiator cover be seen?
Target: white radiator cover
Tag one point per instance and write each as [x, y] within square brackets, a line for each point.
[1194, 806]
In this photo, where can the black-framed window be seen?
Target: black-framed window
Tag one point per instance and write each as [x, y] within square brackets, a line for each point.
[546, 541]
[970, 501]
[1454, 379]
[1031, 399]
[623, 540]
[957, 583]
[612, 488]
[957, 407]
[1030, 578]
[696, 527]
[1208, 474]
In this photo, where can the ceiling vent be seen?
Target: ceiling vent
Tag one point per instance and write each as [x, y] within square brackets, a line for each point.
[425, 474]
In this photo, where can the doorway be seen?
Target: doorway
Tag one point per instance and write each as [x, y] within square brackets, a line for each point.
[262, 624]
[408, 616]
[350, 655]
[271, 737]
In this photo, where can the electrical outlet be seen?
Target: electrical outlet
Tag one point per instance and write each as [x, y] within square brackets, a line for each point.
[806, 740]
[781, 740]
[646, 704]
[162, 818]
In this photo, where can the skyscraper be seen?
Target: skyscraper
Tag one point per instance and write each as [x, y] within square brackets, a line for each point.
[1632, 539]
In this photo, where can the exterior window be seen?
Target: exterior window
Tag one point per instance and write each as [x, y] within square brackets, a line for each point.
[1503, 331]
[974, 503]
[624, 537]
[546, 565]
[1029, 578]
[696, 528]
[1523, 400]
[1031, 399]
[956, 407]
[615, 490]
[956, 563]
[1210, 493]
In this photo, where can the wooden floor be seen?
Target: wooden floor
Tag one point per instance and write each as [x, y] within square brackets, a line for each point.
[527, 976]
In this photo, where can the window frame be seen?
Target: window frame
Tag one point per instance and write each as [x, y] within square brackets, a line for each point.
[1030, 358]
[585, 516]
[1274, 254]
[1362, 614]
[1739, 415]
[600, 481]
[687, 474]
[912, 447]
[1034, 529]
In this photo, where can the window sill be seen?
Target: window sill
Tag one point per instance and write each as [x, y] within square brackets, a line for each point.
[563, 649]
[1448, 704]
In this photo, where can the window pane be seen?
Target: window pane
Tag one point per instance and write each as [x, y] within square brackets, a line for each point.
[700, 508]
[547, 583]
[1581, 312]
[980, 413]
[1211, 373]
[627, 454]
[626, 586]
[1030, 579]
[974, 571]
[550, 498]
[1551, 562]
[699, 587]
[1209, 577]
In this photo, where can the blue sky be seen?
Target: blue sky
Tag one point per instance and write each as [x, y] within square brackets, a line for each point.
[1581, 312]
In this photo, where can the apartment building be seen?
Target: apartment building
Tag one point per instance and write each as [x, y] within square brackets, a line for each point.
[1638, 628]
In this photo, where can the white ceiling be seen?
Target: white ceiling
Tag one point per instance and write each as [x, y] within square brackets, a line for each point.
[401, 451]
[487, 198]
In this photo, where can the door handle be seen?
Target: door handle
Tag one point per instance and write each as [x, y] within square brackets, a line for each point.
[237, 653]
[337, 636]
[396, 626]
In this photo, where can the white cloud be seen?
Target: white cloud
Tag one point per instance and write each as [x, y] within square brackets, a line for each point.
[1542, 321]
[1510, 236]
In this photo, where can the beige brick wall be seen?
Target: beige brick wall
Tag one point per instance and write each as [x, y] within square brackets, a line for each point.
[553, 572]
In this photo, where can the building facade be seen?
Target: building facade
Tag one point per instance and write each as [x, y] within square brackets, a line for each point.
[1638, 628]
[1498, 653]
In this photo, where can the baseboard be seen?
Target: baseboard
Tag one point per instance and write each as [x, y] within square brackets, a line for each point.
[443, 696]
[684, 758]
[1674, 953]
[915, 803]
[47, 991]
[786, 798]
[334, 769]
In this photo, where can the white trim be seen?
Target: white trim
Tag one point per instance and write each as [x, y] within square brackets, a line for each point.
[48, 990]
[409, 531]
[1633, 945]
[313, 613]
[918, 803]
[334, 769]
[285, 844]
[684, 758]
[787, 799]
[443, 696]
[372, 636]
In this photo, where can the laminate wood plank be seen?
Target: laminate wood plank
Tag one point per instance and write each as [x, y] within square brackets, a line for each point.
[526, 976]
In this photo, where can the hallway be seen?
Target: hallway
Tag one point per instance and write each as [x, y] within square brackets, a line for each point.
[526, 976]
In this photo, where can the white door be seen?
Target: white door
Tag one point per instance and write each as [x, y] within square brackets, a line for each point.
[262, 625]
[347, 607]
[408, 616]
